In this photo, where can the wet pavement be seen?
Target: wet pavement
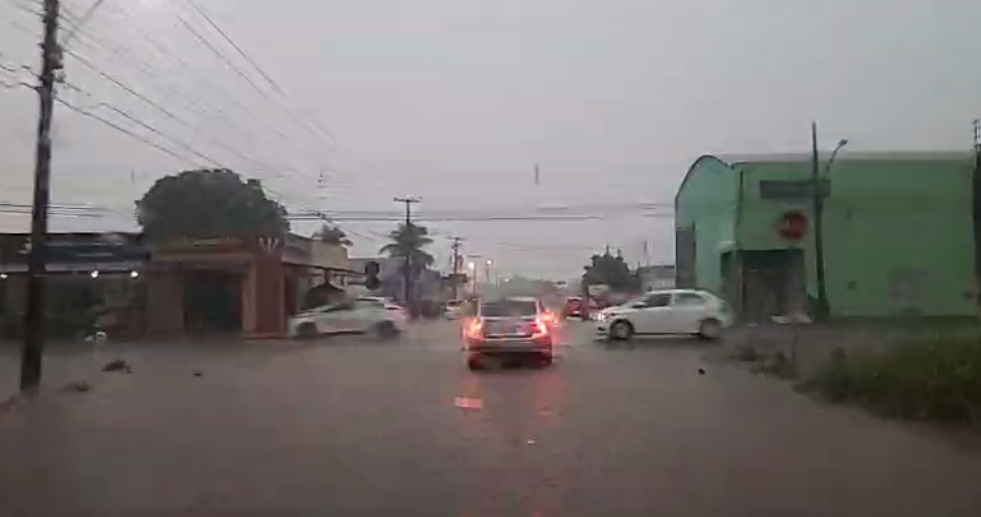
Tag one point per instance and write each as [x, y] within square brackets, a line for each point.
[354, 427]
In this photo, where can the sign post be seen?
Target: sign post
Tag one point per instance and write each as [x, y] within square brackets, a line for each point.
[792, 227]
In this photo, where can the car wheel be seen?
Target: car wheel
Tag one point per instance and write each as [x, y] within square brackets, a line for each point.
[307, 331]
[386, 330]
[710, 329]
[545, 360]
[474, 363]
[621, 331]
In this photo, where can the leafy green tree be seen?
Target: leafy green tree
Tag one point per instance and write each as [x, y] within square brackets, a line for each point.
[332, 235]
[611, 270]
[209, 203]
[409, 240]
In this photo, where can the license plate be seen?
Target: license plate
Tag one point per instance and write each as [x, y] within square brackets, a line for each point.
[503, 328]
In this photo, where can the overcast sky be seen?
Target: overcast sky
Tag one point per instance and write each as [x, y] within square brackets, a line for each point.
[456, 100]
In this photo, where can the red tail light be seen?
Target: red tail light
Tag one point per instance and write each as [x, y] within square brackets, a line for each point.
[540, 329]
[475, 328]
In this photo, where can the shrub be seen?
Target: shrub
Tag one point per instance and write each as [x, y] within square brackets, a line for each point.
[778, 365]
[933, 379]
[748, 354]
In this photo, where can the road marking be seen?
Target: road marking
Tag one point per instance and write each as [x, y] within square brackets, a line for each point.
[468, 403]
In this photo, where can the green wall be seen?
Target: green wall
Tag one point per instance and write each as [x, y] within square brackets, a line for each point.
[884, 219]
[707, 199]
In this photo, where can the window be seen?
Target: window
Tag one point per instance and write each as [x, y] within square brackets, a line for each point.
[368, 304]
[688, 300]
[339, 307]
[658, 300]
[509, 309]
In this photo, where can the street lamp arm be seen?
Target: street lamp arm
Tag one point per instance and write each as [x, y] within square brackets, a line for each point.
[834, 154]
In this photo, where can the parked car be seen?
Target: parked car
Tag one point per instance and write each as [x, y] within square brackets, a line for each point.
[677, 311]
[515, 327]
[357, 316]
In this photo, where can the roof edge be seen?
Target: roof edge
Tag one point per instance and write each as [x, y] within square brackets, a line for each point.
[691, 168]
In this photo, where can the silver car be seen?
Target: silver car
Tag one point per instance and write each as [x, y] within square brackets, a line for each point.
[512, 327]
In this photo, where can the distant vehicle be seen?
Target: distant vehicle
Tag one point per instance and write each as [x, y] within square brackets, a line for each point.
[357, 316]
[516, 327]
[455, 309]
[573, 307]
[676, 311]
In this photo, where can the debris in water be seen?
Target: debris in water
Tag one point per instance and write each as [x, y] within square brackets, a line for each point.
[701, 371]
[197, 374]
[117, 366]
[468, 403]
[76, 387]
[530, 442]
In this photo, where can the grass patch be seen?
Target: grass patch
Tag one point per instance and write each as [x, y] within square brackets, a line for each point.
[936, 378]
[748, 354]
[777, 365]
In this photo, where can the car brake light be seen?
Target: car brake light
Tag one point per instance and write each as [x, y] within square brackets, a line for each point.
[541, 328]
[475, 328]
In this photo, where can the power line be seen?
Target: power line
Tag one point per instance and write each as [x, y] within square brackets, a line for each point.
[267, 77]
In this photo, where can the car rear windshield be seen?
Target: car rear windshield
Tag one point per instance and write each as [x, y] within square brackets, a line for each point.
[508, 308]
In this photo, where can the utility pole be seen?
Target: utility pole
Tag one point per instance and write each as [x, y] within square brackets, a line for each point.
[976, 184]
[33, 348]
[487, 269]
[407, 267]
[817, 196]
[457, 260]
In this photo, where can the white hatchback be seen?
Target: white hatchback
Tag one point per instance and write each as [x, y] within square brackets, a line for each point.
[357, 316]
[676, 311]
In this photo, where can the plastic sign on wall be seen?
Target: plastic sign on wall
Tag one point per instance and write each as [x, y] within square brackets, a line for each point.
[792, 225]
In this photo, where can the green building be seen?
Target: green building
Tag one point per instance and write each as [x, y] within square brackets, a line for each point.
[898, 234]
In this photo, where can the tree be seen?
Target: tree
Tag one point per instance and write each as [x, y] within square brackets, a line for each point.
[332, 235]
[409, 240]
[209, 203]
[610, 270]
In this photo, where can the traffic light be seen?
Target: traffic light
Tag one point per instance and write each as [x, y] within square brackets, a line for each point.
[371, 270]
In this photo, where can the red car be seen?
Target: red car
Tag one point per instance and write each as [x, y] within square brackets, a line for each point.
[573, 307]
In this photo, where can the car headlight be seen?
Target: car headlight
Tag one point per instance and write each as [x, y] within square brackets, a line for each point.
[601, 317]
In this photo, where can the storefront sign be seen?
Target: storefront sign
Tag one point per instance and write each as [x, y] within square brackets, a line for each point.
[78, 248]
[204, 245]
[787, 190]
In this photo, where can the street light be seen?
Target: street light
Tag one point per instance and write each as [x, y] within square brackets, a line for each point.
[834, 154]
[472, 267]
[817, 193]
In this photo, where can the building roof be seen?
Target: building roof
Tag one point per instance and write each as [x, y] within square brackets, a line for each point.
[845, 155]
[732, 160]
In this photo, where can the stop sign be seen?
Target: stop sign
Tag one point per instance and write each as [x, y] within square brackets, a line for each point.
[792, 225]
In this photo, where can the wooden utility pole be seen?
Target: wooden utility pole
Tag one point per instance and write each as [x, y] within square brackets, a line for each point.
[817, 200]
[407, 267]
[457, 262]
[976, 207]
[33, 348]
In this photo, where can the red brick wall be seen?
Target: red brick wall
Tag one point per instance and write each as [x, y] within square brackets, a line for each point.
[164, 304]
[270, 316]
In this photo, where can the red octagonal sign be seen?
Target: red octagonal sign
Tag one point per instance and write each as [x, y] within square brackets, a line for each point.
[792, 225]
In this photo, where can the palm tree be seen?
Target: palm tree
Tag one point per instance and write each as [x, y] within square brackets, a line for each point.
[408, 241]
[332, 235]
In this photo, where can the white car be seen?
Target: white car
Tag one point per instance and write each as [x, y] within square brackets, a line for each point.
[357, 316]
[675, 311]
[454, 309]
